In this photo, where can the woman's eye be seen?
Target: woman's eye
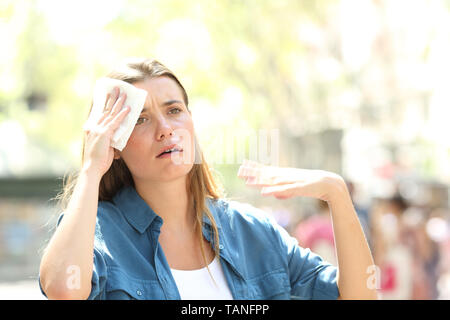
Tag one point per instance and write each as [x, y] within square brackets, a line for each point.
[138, 121]
[173, 110]
[177, 109]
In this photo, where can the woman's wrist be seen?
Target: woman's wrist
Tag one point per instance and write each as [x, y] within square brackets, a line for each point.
[90, 173]
[338, 192]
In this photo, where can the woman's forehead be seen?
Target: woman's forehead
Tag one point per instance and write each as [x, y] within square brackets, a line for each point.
[163, 89]
[160, 85]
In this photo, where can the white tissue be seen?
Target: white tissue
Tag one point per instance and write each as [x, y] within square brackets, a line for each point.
[135, 100]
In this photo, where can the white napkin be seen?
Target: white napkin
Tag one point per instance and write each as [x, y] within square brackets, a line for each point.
[135, 100]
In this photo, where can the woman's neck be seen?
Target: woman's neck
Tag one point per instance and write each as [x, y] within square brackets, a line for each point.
[169, 200]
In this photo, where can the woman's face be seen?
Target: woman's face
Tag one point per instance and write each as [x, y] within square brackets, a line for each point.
[164, 121]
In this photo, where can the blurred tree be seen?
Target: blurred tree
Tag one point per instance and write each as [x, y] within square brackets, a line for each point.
[302, 67]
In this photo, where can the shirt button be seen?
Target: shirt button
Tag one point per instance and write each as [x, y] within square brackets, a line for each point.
[139, 293]
[220, 246]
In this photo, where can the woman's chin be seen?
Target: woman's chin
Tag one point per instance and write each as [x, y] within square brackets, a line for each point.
[171, 171]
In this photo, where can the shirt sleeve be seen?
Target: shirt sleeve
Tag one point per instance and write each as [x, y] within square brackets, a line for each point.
[98, 282]
[99, 270]
[310, 276]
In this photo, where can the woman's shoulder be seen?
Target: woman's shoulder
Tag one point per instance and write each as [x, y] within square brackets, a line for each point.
[244, 213]
[111, 215]
[104, 209]
[245, 223]
[107, 207]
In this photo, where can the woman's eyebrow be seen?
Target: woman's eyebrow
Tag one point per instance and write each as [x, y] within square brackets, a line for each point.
[164, 104]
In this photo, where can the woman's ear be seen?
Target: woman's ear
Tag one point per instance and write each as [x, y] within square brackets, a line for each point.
[116, 154]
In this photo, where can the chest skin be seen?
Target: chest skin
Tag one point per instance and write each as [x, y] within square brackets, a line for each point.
[183, 251]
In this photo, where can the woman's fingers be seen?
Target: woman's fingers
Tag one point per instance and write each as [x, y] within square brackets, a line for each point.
[117, 120]
[296, 189]
[113, 107]
[119, 104]
[98, 150]
[258, 175]
[245, 168]
[111, 99]
[250, 168]
[284, 191]
[108, 97]
[254, 176]
[263, 178]
[284, 183]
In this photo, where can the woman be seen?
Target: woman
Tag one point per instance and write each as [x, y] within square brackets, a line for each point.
[140, 226]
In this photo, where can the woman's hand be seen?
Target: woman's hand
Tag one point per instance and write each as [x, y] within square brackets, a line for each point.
[284, 183]
[98, 153]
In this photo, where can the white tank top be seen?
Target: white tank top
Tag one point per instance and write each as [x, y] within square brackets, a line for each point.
[198, 285]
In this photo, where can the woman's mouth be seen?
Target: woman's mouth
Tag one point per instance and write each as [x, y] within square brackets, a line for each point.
[168, 153]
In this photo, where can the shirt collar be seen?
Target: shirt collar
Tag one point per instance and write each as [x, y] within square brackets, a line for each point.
[137, 212]
[214, 206]
[140, 215]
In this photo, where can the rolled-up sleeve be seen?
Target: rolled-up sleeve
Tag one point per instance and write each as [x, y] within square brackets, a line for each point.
[310, 276]
[99, 273]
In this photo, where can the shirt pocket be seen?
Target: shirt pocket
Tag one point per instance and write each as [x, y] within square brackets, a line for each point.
[121, 286]
[271, 285]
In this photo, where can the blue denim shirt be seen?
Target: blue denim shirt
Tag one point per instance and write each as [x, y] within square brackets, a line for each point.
[260, 260]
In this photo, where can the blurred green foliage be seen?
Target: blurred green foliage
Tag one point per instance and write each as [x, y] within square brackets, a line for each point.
[282, 61]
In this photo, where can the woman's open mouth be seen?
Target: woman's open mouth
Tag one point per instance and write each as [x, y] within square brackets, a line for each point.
[168, 153]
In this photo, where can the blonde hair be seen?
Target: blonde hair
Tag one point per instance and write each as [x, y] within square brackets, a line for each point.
[201, 183]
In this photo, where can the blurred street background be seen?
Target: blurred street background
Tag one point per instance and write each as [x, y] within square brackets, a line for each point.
[356, 87]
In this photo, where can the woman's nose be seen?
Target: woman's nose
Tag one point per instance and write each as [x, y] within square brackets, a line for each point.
[164, 128]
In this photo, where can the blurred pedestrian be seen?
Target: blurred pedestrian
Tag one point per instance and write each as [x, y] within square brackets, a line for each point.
[316, 233]
[394, 258]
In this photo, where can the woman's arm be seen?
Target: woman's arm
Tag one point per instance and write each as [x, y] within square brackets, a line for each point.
[353, 253]
[70, 251]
